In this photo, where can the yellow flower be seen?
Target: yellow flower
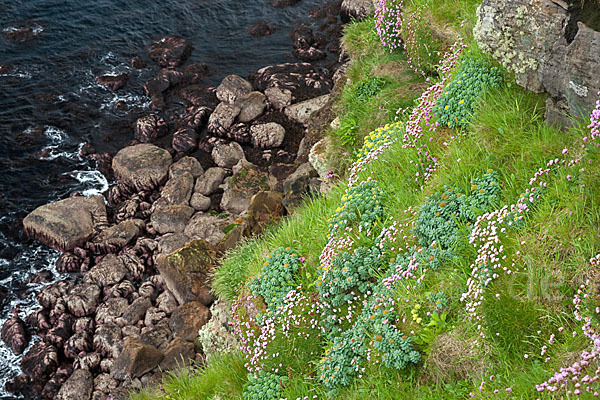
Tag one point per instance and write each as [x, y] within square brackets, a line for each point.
[445, 108]
[461, 102]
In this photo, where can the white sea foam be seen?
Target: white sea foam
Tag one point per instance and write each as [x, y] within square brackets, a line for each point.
[94, 181]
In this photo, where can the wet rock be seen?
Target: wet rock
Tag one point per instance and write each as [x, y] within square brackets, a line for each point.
[267, 135]
[301, 112]
[185, 140]
[60, 333]
[207, 227]
[200, 202]
[170, 51]
[51, 293]
[142, 167]
[187, 273]
[186, 164]
[196, 117]
[297, 185]
[239, 133]
[40, 361]
[23, 32]
[135, 312]
[194, 73]
[180, 353]
[200, 96]
[116, 237]
[279, 97]
[232, 88]
[138, 63]
[150, 127]
[251, 106]
[89, 361]
[187, 320]
[68, 262]
[5, 69]
[110, 310]
[284, 3]
[178, 189]
[227, 155]
[266, 208]
[222, 118]
[166, 302]
[83, 299]
[14, 333]
[161, 82]
[42, 276]
[171, 218]
[113, 82]
[107, 272]
[302, 80]
[208, 183]
[217, 336]
[240, 188]
[79, 386]
[39, 320]
[107, 340]
[357, 9]
[67, 223]
[307, 45]
[260, 29]
[159, 336]
[78, 344]
[135, 360]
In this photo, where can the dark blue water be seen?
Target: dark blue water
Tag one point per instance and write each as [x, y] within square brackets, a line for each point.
[50, 103]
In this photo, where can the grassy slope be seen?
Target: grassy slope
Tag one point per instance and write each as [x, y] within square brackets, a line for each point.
[550, 252]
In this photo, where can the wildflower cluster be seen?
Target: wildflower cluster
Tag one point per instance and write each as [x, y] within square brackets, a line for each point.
[421, 46]
[456, 106]
[379, 137]
[363, 204]
[485, 191]
[388, 22]
[277, 277]
[264, 386]
[342, 360]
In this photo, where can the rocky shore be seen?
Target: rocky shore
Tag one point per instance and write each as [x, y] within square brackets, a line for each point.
[206, 167]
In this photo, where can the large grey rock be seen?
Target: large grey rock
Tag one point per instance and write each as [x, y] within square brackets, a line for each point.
[251, 106]
[267, 135]
[301, 112]
[186, 164]
[222, 118]
[232, 88]
[109, 271]
[199, 202]
[172, 242]
[187, 320]
[79, 386]
[227, 155]
[209, 182]
[171, 218]
[178, 189]
[207, 227]
[142, 167]
[135, 360]
[243, 184]
[116, 237]
[187, 272]
[279, 97]
[67, 223]
[535, 39]
[83, 299]
[357, 9]
[150, 127]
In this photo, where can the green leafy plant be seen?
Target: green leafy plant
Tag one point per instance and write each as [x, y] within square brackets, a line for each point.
[264, 386]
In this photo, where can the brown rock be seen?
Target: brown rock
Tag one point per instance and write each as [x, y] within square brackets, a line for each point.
[171, 218]
[116, 237]
[109, 271]
[187, 320]
[246, 182]
[180, 353]
[135, 360]
[207, 227]
[178, 189]
[200, 202]
[208, 183]
[79, 386]
[142, 167]
[83, 299]
[68, 223]
[232, 88]
[186, 164]
[265, 208]
[251, 106]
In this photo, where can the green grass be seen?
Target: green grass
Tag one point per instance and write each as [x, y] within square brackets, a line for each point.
[550, 251]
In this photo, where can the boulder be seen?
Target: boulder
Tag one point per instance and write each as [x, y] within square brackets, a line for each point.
[14, 333]
[239, 189]
[79, 345]
[186, 164]
[67, 223]
[88, 361]
[107, 340]
[267, 135]
[260, 29]
[227, 155]
[217, 336]
[199, 202]
[159, 336]
[251, 106]
[208, 183]
[207, 227]
[154, 316]
[170, 51]
[116, 237]
[40, 361]
[266, 208]
[136, 359]
[357, 9]
[279, 97]
[187, 272]
[187, 320]
[172, 242]
[110, 310]
[178, 189]
[109, 271]
[301, 112]
[113, 82]
[222, 118]
[180, 353]
[50, 294]
[150, 127]
[232, 88]
[79, 386]
[83, 299]
[318, 157]
[297, 185]
[302, 80]
[135, 312]
[185, 140]
[166, 302]
[171, 218]
[142, 167]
